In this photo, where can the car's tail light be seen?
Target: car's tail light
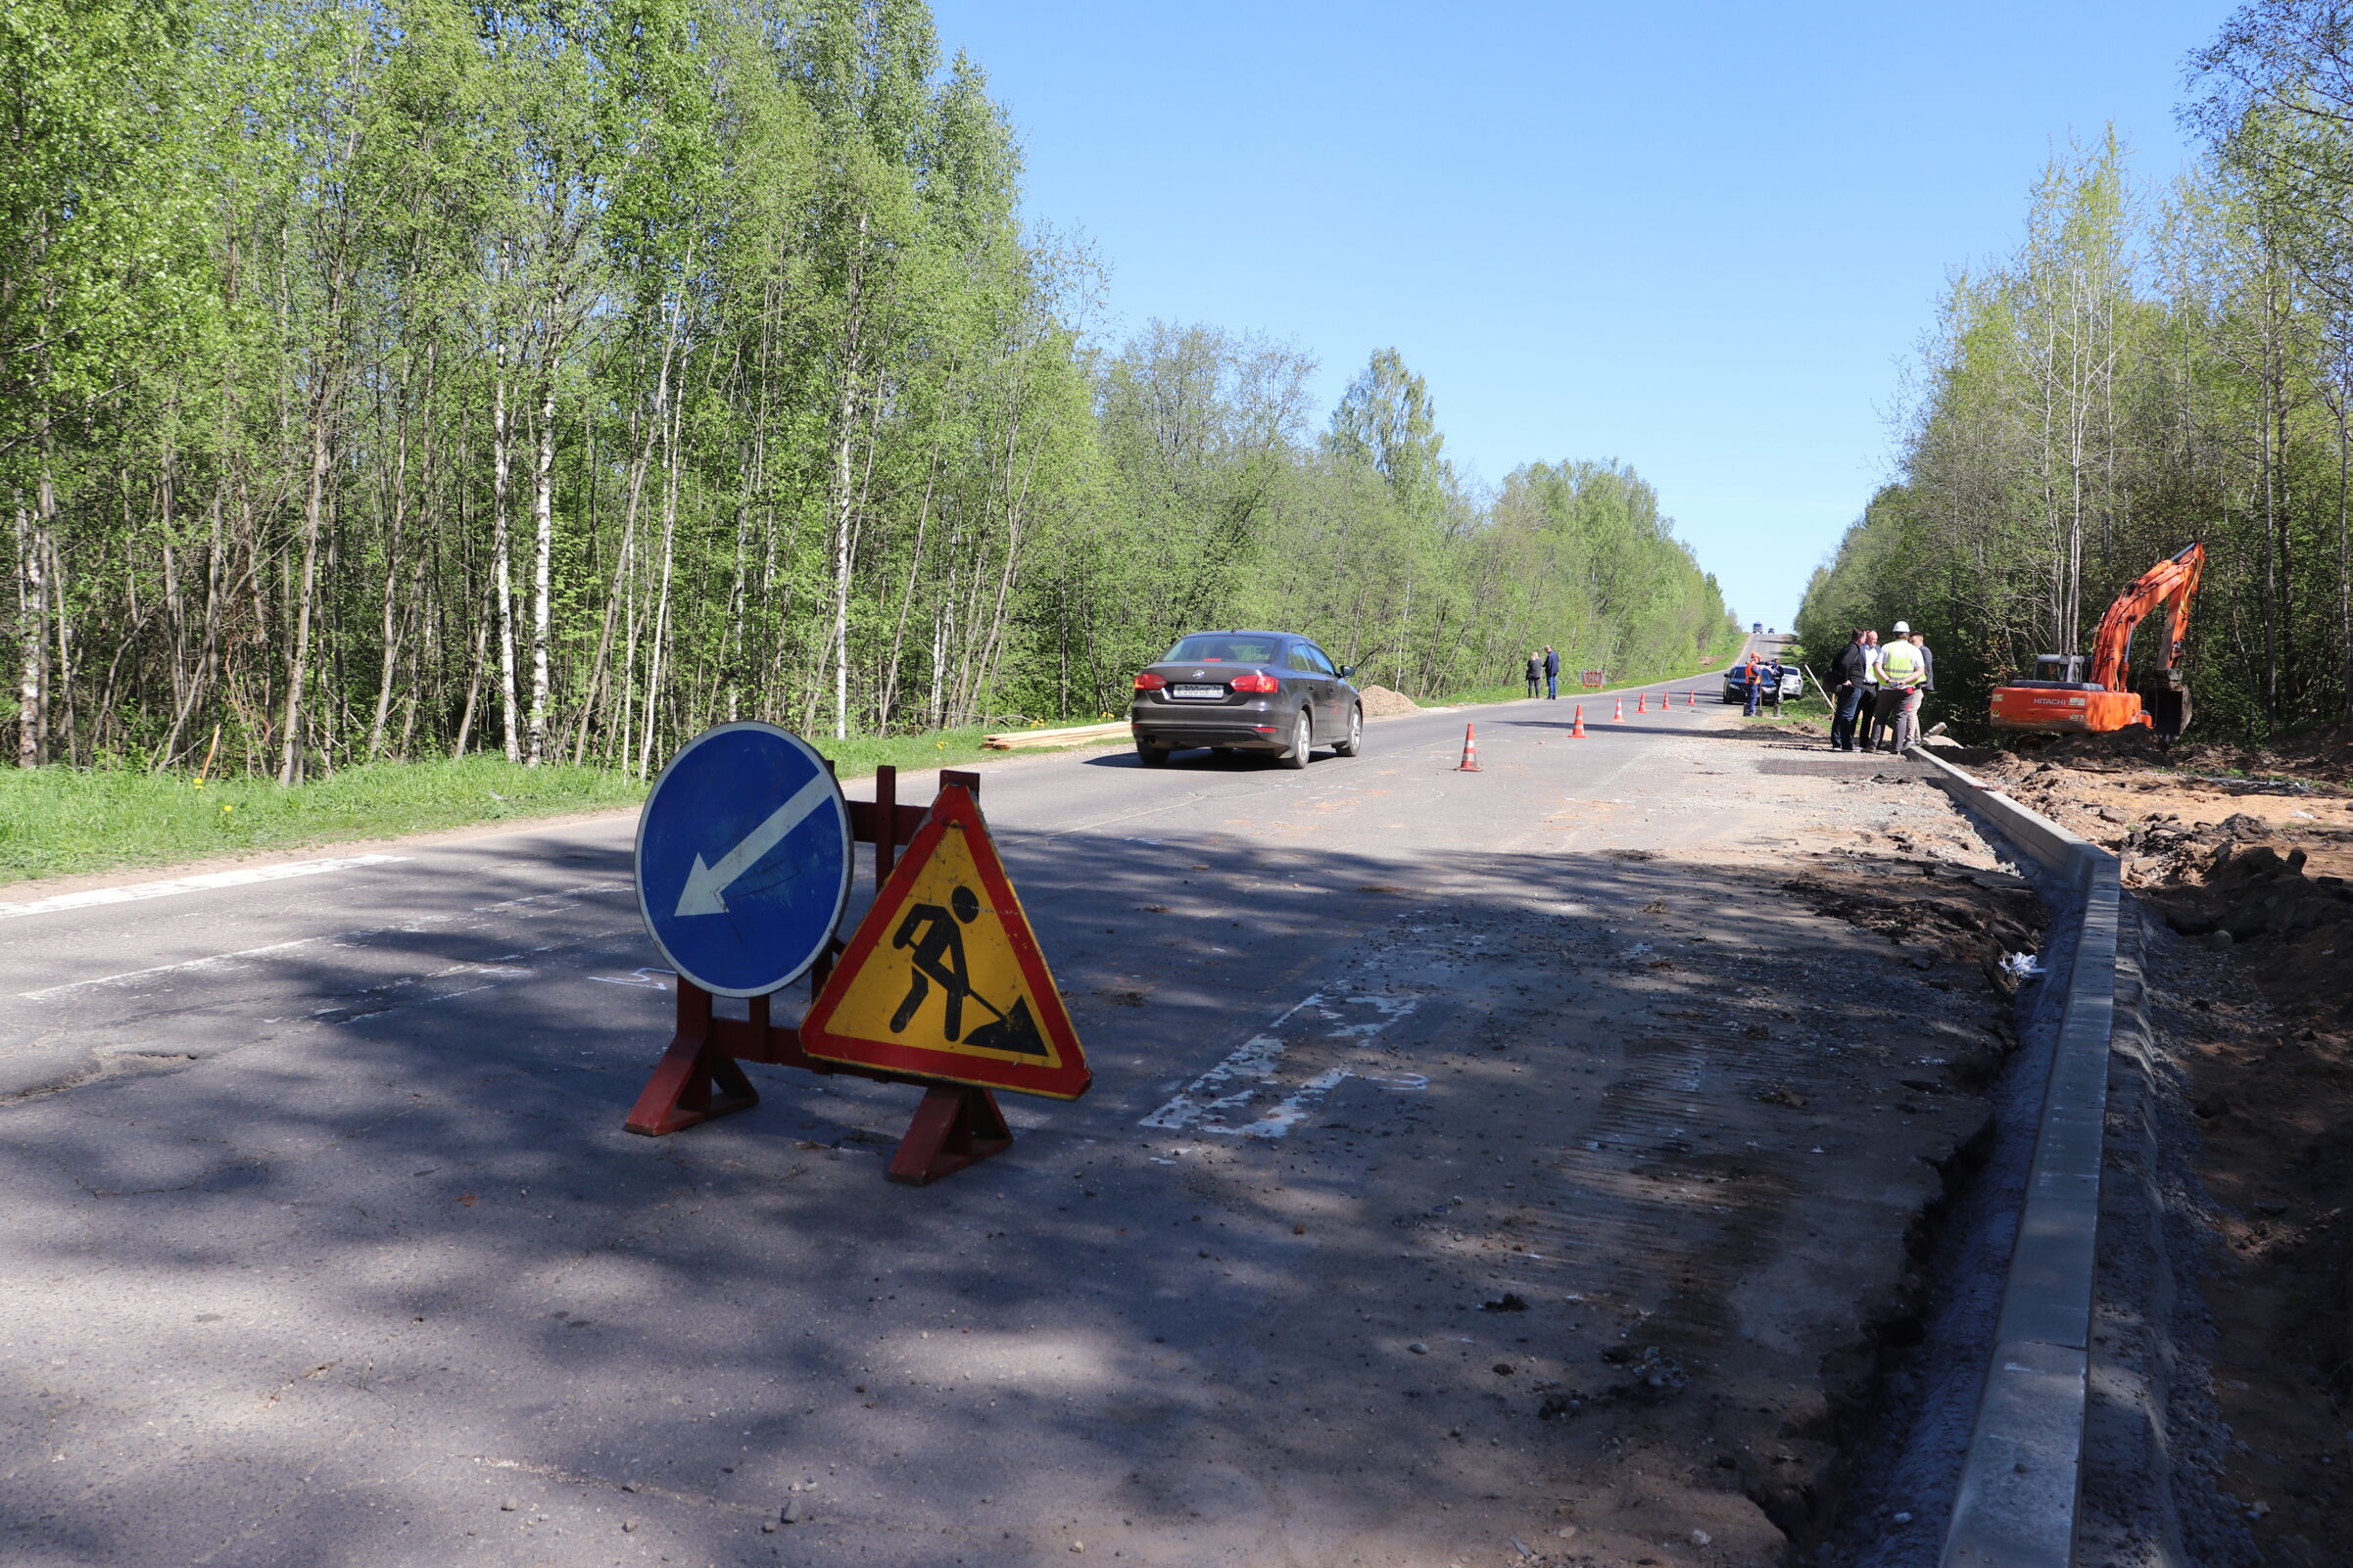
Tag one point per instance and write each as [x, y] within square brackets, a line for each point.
[1148, 682]
[1255, 681]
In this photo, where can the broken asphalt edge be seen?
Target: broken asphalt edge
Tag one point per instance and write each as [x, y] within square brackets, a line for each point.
[2021, 1480]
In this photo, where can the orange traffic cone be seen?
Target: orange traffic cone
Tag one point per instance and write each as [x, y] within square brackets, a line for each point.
[1470, 751]
[1619, 716]
[1577, 730]
[1691, 699]
[1642, 702]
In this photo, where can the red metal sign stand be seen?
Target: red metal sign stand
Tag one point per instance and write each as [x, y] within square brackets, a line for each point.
[697, 1077]
[955, 1125]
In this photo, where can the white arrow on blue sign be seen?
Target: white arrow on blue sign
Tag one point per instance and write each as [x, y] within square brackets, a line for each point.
[743, 859]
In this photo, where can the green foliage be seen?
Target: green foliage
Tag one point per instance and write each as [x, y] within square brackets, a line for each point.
[405, 380]
[56, 821]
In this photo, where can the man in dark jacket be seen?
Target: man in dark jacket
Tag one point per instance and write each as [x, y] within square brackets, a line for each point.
[1552, 673]
[1847, 672]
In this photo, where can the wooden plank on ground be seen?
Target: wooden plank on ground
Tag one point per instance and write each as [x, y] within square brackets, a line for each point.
[1074, 734]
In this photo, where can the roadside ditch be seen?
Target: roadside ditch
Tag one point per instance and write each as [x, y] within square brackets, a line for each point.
[2241, 859]
[2062, 1396]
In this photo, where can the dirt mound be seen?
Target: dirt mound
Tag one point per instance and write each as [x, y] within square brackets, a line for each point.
[1382, 703]
[2323, 755]
[2117, 752]
[2297, 928]
[2167, 824]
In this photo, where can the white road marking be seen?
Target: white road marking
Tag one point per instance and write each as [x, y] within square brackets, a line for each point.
[190, 884]
[345, 938]
[168, 969]
[651, 979]
[1215, 1101]
[1293, 1109]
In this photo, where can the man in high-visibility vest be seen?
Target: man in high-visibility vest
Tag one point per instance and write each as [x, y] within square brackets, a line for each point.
[1902, 671]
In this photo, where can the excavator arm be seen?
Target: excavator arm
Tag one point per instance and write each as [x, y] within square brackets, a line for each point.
[2171, 584]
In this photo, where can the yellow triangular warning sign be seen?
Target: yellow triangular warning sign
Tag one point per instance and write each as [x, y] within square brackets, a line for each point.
[943, 979]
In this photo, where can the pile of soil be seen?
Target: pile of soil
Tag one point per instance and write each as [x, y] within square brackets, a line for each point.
[1382, 703]
[2318, 755]
[2167, 826]
[2297, 928]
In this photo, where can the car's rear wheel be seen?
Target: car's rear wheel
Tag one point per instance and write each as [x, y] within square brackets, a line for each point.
[1151, 756]
[1354, 743]
[1303, 742]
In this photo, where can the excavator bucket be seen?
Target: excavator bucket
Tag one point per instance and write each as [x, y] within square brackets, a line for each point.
[2168, 710]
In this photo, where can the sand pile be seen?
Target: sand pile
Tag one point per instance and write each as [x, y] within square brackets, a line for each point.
[1382, 703]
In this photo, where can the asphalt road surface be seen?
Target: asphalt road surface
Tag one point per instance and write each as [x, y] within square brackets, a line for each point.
[324, 1242]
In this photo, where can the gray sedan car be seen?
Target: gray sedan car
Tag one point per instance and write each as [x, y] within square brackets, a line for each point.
[1269, 691]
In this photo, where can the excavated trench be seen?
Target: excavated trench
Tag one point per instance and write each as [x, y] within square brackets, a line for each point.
[1905, 1427]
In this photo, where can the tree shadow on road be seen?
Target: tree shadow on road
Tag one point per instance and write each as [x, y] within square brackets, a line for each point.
[341, 1295]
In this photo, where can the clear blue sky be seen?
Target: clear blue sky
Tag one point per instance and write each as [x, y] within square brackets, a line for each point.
[1701, 238]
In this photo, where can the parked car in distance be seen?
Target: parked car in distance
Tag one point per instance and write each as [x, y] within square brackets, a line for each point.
[1793, 684]
[1266, 691]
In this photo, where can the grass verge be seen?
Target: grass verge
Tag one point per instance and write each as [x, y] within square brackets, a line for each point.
[1808, 707]
[58, 822]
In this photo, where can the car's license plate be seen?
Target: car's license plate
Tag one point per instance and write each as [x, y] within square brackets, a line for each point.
[1197, 693]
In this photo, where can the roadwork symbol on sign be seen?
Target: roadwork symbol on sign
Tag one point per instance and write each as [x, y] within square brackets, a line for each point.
[743, 859]
[944, 979]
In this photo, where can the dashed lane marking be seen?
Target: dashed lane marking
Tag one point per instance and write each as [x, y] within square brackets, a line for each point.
[190, 884]
[168, 969]
[418, 927]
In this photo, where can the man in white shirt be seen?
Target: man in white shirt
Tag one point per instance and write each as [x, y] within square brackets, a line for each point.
[1902, 671]
[1869, 708]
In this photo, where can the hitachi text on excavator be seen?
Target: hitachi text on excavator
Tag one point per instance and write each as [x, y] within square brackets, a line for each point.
[2058, 699]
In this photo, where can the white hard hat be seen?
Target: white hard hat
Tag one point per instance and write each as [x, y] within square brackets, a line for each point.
[1902, 629]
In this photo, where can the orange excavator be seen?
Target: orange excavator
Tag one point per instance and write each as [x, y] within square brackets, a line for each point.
[2058, 699]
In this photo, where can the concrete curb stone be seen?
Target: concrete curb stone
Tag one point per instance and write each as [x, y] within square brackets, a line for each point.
[2022, 1478]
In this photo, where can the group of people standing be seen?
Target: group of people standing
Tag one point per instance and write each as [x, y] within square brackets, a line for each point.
[1878, 687]
[1544, 667]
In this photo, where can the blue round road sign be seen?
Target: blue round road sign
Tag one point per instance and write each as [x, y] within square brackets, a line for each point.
[743, 859]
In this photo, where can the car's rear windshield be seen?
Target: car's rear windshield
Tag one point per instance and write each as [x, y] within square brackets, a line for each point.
[1223, 648]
